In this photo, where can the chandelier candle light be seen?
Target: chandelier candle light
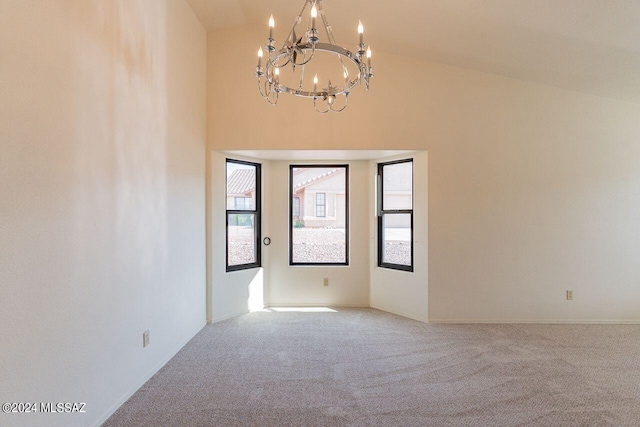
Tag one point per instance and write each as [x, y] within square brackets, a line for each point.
[299, 51]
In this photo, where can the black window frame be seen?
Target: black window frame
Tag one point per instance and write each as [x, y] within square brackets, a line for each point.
[256, 211]
[346, 213]
[382, 212]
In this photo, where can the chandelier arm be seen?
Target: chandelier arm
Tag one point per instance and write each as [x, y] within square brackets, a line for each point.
[346, 103]
[274, 64]
[315, 106]
[313, 52]
[273, 94]
[263, 93]
[365, 73]
[273, 100]
[270, 92]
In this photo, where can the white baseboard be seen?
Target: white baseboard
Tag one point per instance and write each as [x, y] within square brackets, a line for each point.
[447, 321]
[540, 321]
[400, 314]
[142, 381]
[226, 316]
[287, 304]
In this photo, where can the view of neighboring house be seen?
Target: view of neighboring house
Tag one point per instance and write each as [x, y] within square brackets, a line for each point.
[319, 194]
[319, 197]
[241, 187]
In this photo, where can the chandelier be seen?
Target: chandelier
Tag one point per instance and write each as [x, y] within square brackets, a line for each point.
[297, 52]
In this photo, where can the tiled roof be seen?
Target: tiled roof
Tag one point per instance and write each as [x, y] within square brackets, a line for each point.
[318, 178]
[241, 181]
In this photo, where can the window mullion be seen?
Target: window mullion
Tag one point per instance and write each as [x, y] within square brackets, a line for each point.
[398, 211]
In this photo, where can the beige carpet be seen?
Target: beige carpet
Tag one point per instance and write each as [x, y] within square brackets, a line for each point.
[363, 367]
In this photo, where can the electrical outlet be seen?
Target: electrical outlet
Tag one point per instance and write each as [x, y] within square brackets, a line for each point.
[569, 295]
[145, 338]
[326, 281]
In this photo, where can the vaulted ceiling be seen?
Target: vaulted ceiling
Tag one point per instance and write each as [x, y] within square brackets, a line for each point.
[590, 46]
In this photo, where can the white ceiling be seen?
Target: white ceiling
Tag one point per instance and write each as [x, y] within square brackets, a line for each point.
[590, 46]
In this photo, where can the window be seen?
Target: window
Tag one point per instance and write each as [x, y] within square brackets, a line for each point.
[296, 207]
[243, 215]
[321, 205]
[395, 215]
[241, 203]
[319, 215]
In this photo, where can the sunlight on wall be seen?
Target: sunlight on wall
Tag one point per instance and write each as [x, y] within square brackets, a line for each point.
[255, 302]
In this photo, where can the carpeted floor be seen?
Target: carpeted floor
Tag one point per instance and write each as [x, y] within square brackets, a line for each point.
[363, 367]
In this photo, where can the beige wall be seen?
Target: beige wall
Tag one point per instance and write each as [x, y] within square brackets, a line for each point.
[532, 190]
[102, 142]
